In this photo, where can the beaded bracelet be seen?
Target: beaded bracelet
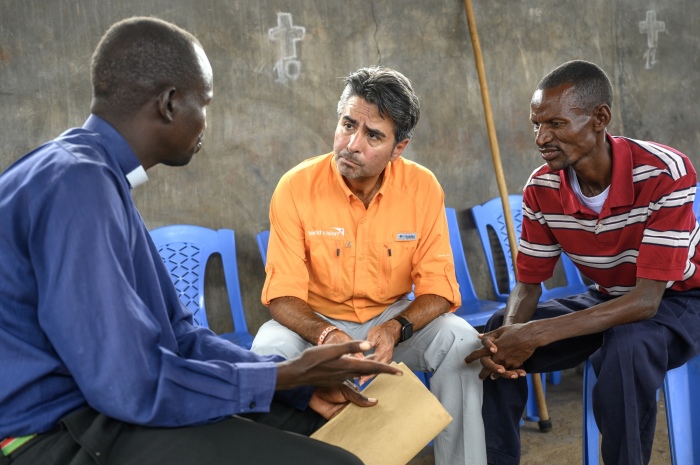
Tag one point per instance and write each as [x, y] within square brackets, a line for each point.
[325, 334]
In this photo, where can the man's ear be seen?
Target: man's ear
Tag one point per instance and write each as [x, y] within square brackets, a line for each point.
[398, 148]
[602, 115]
[165, 104]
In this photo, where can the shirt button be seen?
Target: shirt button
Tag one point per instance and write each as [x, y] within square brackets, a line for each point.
[362, 257]
[252, 405]
[360, 293]
[363, 220]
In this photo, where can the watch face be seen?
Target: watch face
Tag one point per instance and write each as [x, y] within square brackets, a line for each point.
[406, 328]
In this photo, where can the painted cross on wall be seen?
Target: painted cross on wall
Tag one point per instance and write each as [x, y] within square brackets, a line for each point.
[651, 27]
[287, 35]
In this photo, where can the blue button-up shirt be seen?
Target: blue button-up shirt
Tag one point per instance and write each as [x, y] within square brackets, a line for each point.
[88, 313]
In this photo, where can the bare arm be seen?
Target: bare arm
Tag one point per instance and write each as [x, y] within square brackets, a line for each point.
[640, 304]
[522, 303]
[509, 346]
[296, 315]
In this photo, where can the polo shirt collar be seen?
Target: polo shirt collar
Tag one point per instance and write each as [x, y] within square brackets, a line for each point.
[119, 150]
[621, 185]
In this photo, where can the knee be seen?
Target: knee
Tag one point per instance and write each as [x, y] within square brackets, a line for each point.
[457, 338]
[629, 357]
[275, 339]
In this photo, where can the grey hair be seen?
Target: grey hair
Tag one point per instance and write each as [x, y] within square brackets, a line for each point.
[390, 91]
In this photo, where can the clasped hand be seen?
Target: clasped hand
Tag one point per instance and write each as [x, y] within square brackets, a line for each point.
[504, 351]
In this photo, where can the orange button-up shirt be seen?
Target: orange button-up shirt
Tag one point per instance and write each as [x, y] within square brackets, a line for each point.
[351, 263]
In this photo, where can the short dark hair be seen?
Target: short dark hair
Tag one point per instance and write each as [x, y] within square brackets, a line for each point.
[137, 58]
[592, 86]
[390, 91]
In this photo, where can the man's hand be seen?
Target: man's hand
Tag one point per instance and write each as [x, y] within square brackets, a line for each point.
[505, 350]
[328, 401]
[340, 337]
[327, 365]
[383, 337]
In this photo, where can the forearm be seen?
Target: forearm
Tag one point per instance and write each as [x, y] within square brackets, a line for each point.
[522, 303]
[639, 304]
[425, 309]
[296, 315]
[420, 313]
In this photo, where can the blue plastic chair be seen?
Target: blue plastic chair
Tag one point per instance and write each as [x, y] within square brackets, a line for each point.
[682, 414]
[263, 238]
[475, 310]
[489, 216]
[696, 203]
[185, 250]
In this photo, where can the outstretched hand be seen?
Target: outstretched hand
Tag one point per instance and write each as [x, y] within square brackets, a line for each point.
[328, 401]
[329, 365]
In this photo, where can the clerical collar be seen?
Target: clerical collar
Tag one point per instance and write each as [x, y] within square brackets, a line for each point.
[137, 176]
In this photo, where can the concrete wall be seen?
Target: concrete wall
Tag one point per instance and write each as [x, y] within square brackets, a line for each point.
[275, 101]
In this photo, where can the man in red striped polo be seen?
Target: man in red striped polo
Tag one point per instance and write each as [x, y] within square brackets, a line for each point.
[621, 209]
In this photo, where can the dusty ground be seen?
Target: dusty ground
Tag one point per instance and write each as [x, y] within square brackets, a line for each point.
[562, 445]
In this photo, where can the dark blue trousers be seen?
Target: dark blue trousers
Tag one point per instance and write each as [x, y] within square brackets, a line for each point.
[630, 362]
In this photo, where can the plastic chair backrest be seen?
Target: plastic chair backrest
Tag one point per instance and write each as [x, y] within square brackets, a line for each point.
[263, 237]
[474, 310]
[696, 203]
[682, 414]
[490, 216]
[185, 250]
[466, 286]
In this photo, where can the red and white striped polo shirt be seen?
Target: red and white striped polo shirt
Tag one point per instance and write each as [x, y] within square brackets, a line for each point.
[646, 228]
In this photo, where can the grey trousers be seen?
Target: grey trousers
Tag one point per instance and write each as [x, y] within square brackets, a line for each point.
[438, 348]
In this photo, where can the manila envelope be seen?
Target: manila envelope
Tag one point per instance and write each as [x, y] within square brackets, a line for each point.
[406, 418]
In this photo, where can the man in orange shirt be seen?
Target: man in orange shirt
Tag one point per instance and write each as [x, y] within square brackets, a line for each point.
[351, 232]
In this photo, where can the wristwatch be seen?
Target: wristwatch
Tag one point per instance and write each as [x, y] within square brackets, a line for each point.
[406, 328]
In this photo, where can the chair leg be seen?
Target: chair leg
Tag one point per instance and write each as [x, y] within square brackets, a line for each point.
[590, 429]
[554, 377]
[531, 411]
[681, 411]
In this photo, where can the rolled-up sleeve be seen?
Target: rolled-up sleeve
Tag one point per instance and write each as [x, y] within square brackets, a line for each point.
[286, 271]
[433, 263]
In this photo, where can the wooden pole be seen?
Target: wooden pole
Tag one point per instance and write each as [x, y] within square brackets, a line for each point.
[545, 423]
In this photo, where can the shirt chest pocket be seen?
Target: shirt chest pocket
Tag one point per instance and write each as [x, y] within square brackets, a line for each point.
[325, 264]
[395, 263]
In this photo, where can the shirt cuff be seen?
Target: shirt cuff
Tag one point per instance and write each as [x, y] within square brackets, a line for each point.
[256, 386]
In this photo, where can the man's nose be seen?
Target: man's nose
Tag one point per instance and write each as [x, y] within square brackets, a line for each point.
[542, 136]
[355, 142]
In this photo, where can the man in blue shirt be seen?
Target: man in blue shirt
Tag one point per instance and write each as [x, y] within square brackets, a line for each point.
[101, 362]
